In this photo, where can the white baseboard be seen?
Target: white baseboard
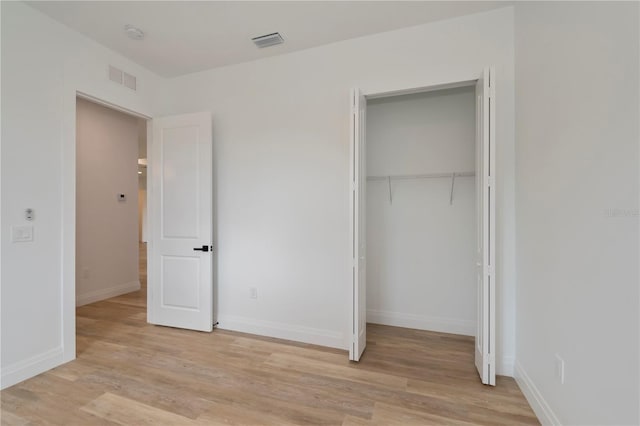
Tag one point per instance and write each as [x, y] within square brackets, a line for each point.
[534, 397]
[30, 367]
[505, 366]
[106, 293]
[420, 322]
[314, 336]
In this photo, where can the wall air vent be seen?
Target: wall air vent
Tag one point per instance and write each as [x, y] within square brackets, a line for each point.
[268, 40]
[129, 81]
[123, 78]
[115, 74]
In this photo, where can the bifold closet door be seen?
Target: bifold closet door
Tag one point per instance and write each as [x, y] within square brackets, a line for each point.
[485, 209]
[358, 224]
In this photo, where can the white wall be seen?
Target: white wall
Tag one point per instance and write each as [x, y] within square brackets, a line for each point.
[420, 248]
[577, 209]
[106, 228]
[281, 149]
[42, 67]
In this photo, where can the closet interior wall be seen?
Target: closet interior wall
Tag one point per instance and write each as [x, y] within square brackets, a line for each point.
[421, 235]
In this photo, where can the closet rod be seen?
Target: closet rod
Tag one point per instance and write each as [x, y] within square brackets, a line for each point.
[452, 175]
[421, 176]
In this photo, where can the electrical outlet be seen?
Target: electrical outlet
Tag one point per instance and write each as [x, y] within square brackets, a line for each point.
[253, 293]
[560, 369]
[85, 273]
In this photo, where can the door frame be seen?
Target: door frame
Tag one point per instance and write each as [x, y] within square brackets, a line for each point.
[466, 81]
[68, 215]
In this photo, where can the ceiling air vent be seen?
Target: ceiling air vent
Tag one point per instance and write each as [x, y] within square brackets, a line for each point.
[268, 40]
[122, 78]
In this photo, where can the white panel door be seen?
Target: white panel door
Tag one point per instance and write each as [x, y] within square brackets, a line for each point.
[180, 281]
[486, 214]
[358, 180]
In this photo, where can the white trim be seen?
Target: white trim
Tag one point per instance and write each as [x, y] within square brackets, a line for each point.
[421, 322]
[314, 336]
[25, 369]
[424, 89]
[419, 85]
[68, 225]
[110, 105]
[106, 293]
[539, 405]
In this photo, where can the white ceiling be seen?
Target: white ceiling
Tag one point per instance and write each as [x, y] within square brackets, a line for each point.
[182, 37]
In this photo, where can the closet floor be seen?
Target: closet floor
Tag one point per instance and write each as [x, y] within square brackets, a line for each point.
[129, 372]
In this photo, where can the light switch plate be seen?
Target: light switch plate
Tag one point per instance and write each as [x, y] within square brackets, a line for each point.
[22, 234]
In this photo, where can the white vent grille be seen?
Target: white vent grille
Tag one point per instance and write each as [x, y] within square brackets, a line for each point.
[268, 40]
[130, 81]
[123, 78]
[115, 74]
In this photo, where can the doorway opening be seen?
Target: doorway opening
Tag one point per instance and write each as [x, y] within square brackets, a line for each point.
[423, 215]
[110, 207]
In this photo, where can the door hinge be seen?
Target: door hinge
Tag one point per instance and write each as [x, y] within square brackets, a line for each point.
[491, 181]
[492, 359]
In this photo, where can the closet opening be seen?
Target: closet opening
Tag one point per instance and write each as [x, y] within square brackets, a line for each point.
[423, 220]
[420, 210]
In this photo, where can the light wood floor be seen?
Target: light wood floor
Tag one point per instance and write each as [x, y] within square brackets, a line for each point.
[131, 373]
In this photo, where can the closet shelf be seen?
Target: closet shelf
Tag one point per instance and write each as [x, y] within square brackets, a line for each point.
[451, 175]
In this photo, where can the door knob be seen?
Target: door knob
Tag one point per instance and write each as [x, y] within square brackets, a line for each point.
[203, 248]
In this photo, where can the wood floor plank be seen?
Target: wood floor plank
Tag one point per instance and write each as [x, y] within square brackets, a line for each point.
[386, 414]
[50, 400]
[124, 411]
[355, 421]
[237, 414]
[480, 395]
[10, 419]
[318, 353]
[152, 392]
[337, 371]
[131, 372]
